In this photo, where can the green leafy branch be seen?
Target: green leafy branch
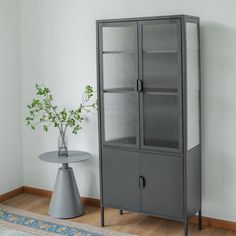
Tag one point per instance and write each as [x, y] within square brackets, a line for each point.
[43, 112]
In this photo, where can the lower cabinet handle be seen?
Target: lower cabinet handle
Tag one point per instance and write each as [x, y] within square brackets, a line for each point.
[142, 182]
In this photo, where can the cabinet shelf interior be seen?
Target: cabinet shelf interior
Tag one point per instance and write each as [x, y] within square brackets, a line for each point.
[160, 51]
[161, 91]
[119, 52]
[119, 90]
[157, 91]
[144, 51]
[149, 142]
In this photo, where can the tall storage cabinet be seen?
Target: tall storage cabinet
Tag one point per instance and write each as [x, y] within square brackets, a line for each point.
[149, 116]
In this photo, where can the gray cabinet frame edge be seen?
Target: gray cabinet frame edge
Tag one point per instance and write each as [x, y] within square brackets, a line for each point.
[144, 213]
[99, 121]
[181, 16]
[184, 20]
[197, 21]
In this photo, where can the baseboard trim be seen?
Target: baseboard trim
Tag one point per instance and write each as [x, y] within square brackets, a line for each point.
[206, 221]
[47, 193]
[216, 223]
[37, 191]
[10, 194]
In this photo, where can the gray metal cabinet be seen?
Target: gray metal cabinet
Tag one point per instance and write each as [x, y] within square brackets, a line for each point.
[149, 116]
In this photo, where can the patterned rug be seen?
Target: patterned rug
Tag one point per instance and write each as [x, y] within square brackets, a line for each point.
[15, 222]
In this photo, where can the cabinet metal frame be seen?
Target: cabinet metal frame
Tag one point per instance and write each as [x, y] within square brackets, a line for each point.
[185, 153]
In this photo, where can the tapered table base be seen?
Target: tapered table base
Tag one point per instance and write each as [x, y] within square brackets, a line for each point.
[65, 201]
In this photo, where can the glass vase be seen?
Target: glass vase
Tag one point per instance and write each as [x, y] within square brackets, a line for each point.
[62, 146]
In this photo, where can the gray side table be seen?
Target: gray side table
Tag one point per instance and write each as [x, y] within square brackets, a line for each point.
[65, 202]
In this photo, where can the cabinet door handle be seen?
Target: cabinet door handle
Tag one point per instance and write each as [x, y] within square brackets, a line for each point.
[139, 85]
[142, 182]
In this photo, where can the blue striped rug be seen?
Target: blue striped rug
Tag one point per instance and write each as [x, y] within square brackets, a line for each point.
[15, 222]
[11, 232]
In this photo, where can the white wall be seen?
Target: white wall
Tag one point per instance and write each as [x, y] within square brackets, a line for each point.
[10, 115]
[58, 49]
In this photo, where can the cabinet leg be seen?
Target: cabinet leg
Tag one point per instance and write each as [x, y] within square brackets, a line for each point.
[200, 220]
[186, 228]
[102, 217]
[121, 212]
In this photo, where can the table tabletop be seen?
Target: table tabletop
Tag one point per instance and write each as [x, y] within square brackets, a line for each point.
[73, 156]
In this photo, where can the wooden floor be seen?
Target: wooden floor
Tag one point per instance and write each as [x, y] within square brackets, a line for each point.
[129, 223]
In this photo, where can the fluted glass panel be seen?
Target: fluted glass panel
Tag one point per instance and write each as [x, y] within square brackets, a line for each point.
[120, 111]
[119, 71]
[161, 121]
[193, 85]
[119, 38]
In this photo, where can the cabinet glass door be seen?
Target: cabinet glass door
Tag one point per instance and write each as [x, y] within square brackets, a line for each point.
[118, 75]
[160, 71]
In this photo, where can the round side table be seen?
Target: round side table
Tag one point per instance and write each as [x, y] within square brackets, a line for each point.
[65, 202]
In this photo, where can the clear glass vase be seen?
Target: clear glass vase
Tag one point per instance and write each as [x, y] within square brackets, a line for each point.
[62, 146]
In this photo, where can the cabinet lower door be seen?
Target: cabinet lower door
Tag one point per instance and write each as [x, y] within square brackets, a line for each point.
[120, 179]
[162, 193]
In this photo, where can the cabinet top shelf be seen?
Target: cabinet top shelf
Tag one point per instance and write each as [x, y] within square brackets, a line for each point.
[161, 91]
[149, 91]
[119, 52]
[119, 90]
[144, 51]
[160, 51]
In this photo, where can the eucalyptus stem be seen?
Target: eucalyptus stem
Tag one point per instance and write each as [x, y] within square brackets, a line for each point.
[42, 108]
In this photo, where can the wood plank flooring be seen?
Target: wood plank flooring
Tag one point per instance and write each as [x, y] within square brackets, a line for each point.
[129, 222]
